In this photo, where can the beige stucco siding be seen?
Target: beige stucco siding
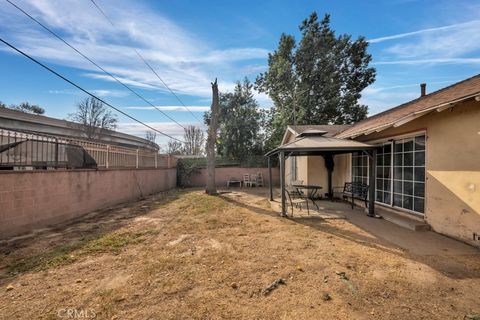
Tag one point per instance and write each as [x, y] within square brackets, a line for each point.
[302, 171]
[453, 168]
[342, 171]
[317, 172]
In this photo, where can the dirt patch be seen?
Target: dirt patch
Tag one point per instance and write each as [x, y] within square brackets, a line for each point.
[190, 255]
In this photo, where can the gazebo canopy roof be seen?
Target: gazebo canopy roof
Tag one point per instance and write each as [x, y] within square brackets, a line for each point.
[319, 144]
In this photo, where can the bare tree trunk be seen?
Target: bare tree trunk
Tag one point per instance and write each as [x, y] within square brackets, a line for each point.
[212, 137]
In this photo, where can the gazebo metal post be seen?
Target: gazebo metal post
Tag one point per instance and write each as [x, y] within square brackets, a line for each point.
[371, 190]
[282, 181]
[327, 157]
[270, 178]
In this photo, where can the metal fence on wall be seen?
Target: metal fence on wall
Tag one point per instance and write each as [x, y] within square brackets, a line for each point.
[20, 150]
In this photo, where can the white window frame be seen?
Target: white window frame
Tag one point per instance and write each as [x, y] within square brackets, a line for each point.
[391, 140]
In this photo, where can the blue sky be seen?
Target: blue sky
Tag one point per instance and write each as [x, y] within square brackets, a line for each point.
[189, 43]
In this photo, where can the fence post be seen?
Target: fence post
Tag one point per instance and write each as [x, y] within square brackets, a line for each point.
[156, 160]
[107, 162]
[56, 153]
[136, 166]
[168, 161]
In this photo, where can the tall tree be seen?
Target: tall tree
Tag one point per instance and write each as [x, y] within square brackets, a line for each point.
[240, 123]
[94, 116]
[334, 69]
[239, 128]
[212, 138]
[194, 139]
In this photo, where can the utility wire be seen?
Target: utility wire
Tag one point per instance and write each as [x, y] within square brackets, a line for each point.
[145, 61]
[85, 91]
[92, 62]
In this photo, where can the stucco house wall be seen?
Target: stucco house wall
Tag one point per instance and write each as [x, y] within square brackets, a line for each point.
[452, 192]
[452, 204]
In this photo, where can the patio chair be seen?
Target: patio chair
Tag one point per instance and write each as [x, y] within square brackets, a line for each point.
[294, 191]
[246, 180]
[253, 180]
[259, 179]
[297, 201]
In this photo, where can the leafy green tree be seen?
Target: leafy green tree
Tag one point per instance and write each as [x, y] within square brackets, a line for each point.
[322, 78]
[240, 123]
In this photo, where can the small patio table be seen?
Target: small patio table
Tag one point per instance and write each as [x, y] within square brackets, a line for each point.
[313, 190]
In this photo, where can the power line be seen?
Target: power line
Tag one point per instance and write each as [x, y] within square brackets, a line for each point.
[85, 91]
[92, 62]
[145, 61]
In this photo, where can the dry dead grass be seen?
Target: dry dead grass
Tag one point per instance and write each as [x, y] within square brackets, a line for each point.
[189, 255]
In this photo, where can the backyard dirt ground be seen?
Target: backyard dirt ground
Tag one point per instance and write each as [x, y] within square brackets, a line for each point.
[186, 255]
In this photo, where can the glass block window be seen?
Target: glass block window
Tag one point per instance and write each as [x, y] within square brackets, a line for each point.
[360, 167]
[409, 174]
[383, 192]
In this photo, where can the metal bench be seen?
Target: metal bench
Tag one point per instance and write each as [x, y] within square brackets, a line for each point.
[356, 190]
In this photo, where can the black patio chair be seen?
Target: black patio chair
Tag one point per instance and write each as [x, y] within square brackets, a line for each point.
[297, 200]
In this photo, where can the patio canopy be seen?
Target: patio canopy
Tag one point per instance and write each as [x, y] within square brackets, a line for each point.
[316, 144]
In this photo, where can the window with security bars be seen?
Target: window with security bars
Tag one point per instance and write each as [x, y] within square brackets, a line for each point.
[409, 174]
[360, 167]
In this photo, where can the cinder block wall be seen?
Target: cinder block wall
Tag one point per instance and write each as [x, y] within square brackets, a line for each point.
[38, 198]
[222, 175]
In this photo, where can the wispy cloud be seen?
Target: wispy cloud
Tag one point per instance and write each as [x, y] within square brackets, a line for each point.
[171, 128]
[451, 44]
[431, 61]
[184, 61]
[174, 108]
[98, 92]
[419, 32]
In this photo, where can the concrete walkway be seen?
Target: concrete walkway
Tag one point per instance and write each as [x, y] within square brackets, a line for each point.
[416, 242]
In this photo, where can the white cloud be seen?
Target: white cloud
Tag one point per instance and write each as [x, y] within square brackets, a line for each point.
[430, 61]
[451, 44]
[174, 108]
[185, 62]
[418, 32]
[110, 93]
[98, 92]
[170, 128]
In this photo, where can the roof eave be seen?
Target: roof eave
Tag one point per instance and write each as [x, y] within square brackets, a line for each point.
[410, 117]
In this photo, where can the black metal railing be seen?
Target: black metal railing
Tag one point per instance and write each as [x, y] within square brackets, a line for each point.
[24, 150]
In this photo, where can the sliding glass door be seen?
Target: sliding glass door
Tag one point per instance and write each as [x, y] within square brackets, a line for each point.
[384, 174]
[409, 174]
[400, 173]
